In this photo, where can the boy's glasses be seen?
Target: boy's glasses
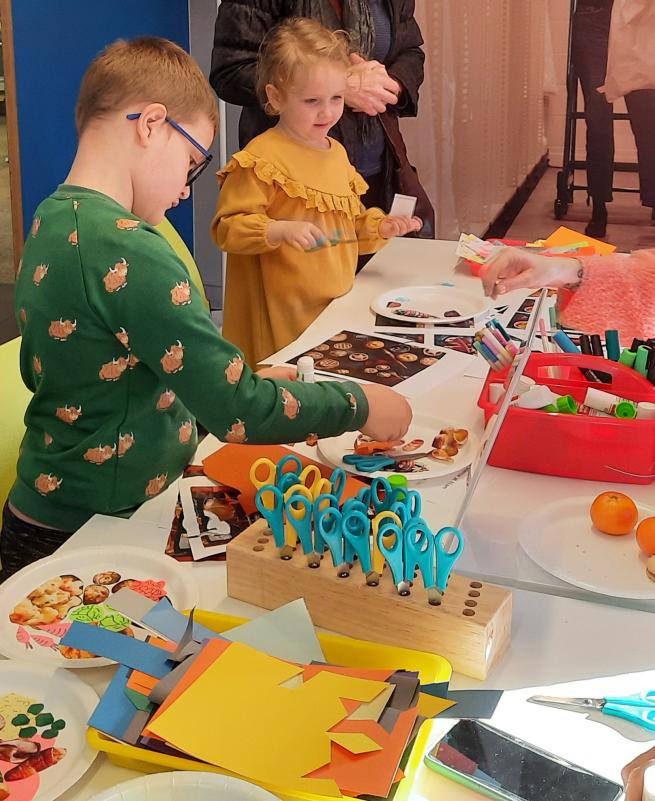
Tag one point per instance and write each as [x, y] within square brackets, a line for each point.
[198, 169]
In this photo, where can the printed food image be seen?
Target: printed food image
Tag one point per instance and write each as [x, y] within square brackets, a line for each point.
[28, 733]
[443, 448]
[46, 614]
[614, 513]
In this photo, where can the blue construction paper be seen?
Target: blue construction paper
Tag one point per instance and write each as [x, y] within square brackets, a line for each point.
[122, 649]
[171, 624]
[115, 711]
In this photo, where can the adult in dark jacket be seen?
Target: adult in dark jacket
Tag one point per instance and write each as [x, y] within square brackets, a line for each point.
[383, 86]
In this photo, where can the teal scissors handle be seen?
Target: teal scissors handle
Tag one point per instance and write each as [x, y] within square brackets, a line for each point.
[329, 523]
[412, 503]
[419, 552]
[320, 503]
[367, 464]
[638, 699]
[394, 554]
[298, 509]
[356, 528]
[338, 481]
[446, 554]
[353, 505]
[364, 497]
[289, 459]
[275, 516]
[287, 480]
[643, 716]
[383, 495]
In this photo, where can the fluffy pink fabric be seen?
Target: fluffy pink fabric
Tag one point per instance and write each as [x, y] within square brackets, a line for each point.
[617, 291]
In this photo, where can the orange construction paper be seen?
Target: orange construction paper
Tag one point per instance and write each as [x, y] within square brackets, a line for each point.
[565, 236]
[231, 465]
[375, 772]
[141, 682]
[267, 733]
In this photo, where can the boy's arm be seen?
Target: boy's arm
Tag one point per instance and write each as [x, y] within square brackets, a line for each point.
[240, 28]
[240, 223]
[172, 335]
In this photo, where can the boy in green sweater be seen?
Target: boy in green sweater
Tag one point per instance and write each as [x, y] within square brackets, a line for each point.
[116, 345]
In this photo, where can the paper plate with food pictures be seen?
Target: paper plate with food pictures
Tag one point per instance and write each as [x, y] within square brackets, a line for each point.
[430, 449]
[560, 537]
[39, 603]
[43, 715]
[433, 305]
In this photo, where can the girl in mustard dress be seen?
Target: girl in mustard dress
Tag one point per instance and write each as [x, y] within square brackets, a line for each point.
[289, 214]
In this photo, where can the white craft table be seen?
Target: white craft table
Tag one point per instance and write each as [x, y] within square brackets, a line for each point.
[554, 639]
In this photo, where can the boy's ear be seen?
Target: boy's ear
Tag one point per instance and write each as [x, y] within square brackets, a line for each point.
[152, 119]
[274, 97]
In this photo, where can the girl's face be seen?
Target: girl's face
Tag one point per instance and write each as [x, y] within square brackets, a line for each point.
[313, 104]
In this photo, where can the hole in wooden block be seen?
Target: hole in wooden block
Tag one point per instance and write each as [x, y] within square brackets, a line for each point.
[263, 540]
[474, 594]
[468, 612]
[475, 585]
[258, 547]
[470, 603]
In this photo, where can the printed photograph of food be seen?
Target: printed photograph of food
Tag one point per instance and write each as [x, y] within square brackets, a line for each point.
[413, 455]
[28, 736]
[370, 357]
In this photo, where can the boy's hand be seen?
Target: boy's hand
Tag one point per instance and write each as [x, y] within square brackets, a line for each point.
[398, 226]
[300, 235]
[389, 414]
[279, 373]
[633, 775]
[517, 269]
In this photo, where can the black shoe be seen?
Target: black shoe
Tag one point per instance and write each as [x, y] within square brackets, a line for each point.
[596, 228]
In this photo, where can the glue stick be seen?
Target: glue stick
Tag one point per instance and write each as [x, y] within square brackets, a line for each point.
[610, 404]
[306, 369]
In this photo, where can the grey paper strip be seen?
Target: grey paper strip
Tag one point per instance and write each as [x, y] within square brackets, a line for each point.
[406, 693]
[163, 688]
[133, 731]
[131, 604]
[187, 637]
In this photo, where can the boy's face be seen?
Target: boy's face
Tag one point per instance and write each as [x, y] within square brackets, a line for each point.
[159, 181]
[313, 104]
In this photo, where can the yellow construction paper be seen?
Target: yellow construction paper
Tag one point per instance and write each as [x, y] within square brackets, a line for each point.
[355, 742]
[429, 705]
[373, 710]
[565, 236]
[237, 716]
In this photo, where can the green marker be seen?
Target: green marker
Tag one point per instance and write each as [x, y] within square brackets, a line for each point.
[565, 404]
[552, 313]
[612, 345]
[627, 357]
[641, 360]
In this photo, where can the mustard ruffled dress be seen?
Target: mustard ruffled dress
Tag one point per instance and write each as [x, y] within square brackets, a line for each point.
[273, 293]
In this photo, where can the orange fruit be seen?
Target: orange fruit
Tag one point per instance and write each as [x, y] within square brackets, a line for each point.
[646, 535]
[614, 513]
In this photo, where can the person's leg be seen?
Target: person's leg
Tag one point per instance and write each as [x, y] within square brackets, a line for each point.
[589, 54]
[22, 543]
[641, 108]
[375, 196]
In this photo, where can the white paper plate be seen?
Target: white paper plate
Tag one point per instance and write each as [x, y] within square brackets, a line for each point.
[67, 699]
[17, 639]
[334, 448]
[561, 539]
[183, 785]
[433, 301]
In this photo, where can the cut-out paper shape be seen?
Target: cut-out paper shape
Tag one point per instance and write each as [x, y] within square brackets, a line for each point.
[429, 706]
[355, 742]
[375, 708]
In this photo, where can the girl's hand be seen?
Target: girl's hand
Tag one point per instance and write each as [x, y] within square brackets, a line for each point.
[369, 87]
[398, 226]
[300, 235]
[518, 269]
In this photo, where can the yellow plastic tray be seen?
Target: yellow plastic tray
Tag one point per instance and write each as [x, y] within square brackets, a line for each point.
[338, 650]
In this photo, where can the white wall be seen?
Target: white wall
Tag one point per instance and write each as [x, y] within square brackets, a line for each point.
[556, 104]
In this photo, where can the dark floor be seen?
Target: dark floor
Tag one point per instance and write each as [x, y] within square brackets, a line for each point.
[8, 327]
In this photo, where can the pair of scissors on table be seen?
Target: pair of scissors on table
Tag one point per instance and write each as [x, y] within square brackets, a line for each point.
[433, 555]
[638, 709]
[371, 463]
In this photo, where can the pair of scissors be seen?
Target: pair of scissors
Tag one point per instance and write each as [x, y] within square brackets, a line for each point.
[638, 708]
[433, 554]
[335, 485]
[274, 471]
[270, 502]
[380, 522]
[299, 508]
[328, 522]
[308, 477]
[356, 529]
[367, 464]
[407, 505]
[391, 544]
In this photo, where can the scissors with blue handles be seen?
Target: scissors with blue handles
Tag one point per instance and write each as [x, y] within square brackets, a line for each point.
[299, 507]
[433, 555]
[391, 544]
[275, 472]
[406, 504]
[328, 522]
[371, 463]
[356, 529]
[321, 503]
[270, 502]
[380, 522]
[638, 708]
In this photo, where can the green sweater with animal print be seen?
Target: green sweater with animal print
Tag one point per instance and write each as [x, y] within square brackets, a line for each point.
[122, 358]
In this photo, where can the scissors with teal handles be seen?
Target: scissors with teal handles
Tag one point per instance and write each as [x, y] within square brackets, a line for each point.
[328, 521]
[338, 481]
[270, 502]
[638, 708]
[322, 502]
[367, 463]
[356, 529]
[406, 504]
[432, 554]
[299, 509]
[275, 471]
[391, 544]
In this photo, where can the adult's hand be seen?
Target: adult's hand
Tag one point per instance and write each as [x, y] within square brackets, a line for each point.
[369, 87]
[633, 775]
[512, 269]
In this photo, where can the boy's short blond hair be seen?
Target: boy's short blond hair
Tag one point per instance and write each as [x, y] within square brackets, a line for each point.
[145, 70]
[293, 47]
